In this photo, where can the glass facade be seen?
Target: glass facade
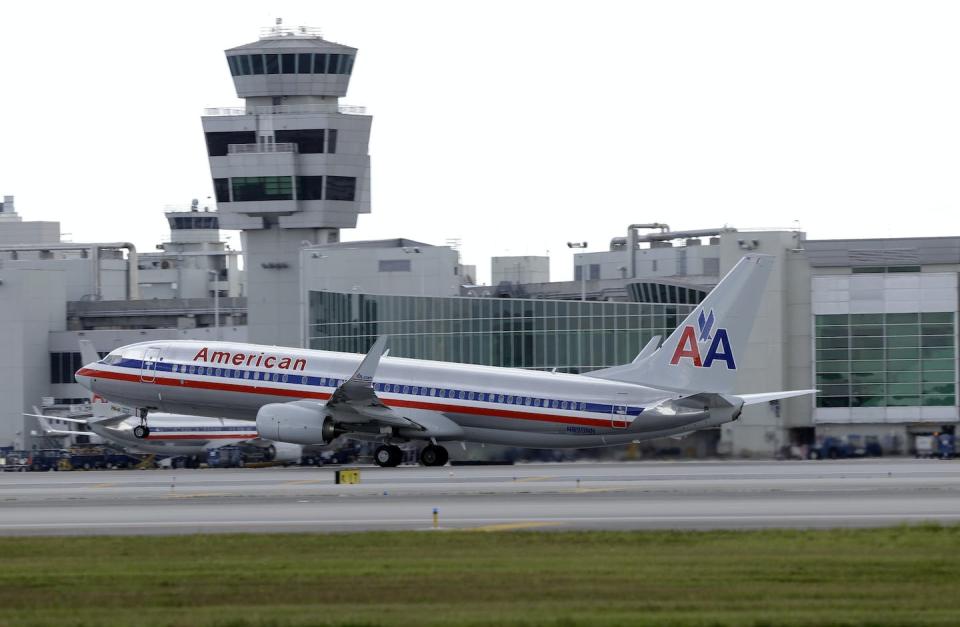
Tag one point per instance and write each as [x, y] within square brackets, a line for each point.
[886, 360]
[570, 336]
[300, 63]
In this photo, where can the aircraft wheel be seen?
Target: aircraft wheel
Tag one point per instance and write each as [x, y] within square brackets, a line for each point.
[141, 431]
[388, 456]
[433, 455]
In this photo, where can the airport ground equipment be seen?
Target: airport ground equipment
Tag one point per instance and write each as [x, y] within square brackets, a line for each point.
[347, 475]
[47, 459]
[946, 446]
[14, 461]
[225, 457]
[842, 448]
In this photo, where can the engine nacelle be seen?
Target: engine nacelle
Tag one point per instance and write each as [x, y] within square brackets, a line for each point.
[285, 452]
[286, 422]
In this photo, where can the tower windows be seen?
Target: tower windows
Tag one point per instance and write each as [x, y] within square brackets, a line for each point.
[263, 188]
[319, 64]
[332, 140]
[309, 188]
[290, 63]
[307, 140]
[253, 188]
[221, 189]
[341, 187]
[304, 63]
[273, 63]
[217, 143]
[333, 66]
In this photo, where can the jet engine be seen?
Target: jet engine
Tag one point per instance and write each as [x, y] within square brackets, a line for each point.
[296, 424]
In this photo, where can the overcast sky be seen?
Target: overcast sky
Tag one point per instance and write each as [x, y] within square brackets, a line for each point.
[514, 126]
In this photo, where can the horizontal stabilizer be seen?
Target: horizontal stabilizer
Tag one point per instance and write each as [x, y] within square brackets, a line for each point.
[754, 399]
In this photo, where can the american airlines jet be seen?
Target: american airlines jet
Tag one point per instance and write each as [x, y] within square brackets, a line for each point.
[311, 397]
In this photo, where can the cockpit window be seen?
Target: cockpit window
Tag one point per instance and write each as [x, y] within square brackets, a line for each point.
[111, 359]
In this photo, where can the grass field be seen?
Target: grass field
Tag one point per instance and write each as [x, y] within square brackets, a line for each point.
[892, 576]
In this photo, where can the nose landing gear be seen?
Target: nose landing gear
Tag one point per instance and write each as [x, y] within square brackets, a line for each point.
[142, 430]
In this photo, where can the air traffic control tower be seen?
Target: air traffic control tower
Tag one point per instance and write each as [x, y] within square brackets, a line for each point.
[290, 169]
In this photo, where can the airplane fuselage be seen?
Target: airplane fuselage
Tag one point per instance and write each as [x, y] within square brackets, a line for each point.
[177, 435]
[486, 404]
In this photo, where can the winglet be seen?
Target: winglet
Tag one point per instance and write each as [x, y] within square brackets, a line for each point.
[360, 384]
[371, 361]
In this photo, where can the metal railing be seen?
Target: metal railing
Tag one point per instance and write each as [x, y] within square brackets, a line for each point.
[274, 32]
[282, 109]
[240, 149]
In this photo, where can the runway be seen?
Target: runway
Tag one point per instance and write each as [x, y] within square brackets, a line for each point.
[647, 495]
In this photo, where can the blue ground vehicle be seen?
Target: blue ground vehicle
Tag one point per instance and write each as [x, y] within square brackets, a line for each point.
[840, 448]
[225, 457]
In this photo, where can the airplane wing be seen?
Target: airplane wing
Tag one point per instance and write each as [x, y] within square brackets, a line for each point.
[48, 430]
[355, 402]
[78, 421]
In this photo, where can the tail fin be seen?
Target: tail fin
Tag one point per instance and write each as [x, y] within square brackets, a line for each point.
[701, 354]
[88, 353]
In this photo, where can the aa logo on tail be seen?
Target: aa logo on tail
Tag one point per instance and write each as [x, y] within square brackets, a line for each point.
[689, 344]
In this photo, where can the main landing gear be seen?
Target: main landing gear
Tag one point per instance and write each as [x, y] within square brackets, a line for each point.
[433, 455]
[390, 456]
[142, 431]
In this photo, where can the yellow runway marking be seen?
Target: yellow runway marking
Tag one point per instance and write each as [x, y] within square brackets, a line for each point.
[531, 524]
[196, 495]
[304, 481]
[104, 485]
[519, 479]
[586, 490]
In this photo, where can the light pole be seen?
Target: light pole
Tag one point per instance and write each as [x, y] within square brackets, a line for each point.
[216, 303]
[583, 270]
